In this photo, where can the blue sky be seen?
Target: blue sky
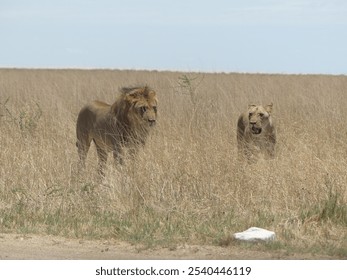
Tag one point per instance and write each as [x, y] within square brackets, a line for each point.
[266, 36]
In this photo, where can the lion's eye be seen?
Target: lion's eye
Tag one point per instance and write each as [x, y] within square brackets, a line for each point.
[143, 109]
[261, 115]
[155, 108]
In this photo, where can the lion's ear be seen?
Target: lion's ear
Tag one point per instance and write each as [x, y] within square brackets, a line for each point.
[250, 106]
[132, 97]
[151, 94]
[268, 108]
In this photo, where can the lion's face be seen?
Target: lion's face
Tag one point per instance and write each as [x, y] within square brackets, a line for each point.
[144, 105]
[258, 117]
[148, 112]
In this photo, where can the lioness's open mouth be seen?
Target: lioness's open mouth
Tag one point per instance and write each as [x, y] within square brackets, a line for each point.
[256, 130]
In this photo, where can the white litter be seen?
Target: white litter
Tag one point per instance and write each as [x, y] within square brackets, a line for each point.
[255, 234]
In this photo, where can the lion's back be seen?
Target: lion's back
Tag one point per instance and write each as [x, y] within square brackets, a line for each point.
[91, 114]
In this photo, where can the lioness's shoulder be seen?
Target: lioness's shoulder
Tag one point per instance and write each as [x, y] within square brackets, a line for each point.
[242, 121]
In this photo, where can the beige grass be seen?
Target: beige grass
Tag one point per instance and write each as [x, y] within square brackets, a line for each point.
[186, 185]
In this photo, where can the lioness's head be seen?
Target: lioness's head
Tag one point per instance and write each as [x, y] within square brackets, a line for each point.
[259, 118]
[143, 103]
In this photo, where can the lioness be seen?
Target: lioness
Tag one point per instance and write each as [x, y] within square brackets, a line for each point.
[256, 132]
[125, 123]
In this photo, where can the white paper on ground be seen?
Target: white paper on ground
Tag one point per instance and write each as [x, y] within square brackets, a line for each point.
[255, 234]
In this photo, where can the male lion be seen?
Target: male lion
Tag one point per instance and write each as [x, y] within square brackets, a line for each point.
[125, 123]
[256, 132]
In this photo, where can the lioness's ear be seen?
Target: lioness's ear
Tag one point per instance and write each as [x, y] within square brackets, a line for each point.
[268, 108]
[250, 106]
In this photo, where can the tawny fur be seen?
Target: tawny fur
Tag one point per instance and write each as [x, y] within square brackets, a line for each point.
[126, 123]
[256, 132]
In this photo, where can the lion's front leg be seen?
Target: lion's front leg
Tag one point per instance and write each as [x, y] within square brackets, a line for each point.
[118, 154]
[244, 151]
[270, 151]
[270, 148]
[133, 150]
[102, 155]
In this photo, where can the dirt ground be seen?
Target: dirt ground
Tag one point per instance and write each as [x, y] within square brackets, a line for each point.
[35, 247]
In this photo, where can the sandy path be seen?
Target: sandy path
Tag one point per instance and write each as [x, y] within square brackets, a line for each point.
[14, 247]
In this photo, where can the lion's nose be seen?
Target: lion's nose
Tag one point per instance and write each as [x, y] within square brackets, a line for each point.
[151, 121]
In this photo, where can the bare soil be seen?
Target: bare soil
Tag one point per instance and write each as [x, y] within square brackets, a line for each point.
[36, 247]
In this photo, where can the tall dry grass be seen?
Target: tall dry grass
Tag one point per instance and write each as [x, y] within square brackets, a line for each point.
[186, 185]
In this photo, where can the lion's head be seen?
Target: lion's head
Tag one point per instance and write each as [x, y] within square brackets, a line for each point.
[259, 118]
[141, 105]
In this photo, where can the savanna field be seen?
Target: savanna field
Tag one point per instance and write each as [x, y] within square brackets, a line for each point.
[186, 186]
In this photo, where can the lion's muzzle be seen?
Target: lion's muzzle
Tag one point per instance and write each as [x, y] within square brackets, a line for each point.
[256, 130]
[152, 122]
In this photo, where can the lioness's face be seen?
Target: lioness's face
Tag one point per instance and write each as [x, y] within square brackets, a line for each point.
[258, 117]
